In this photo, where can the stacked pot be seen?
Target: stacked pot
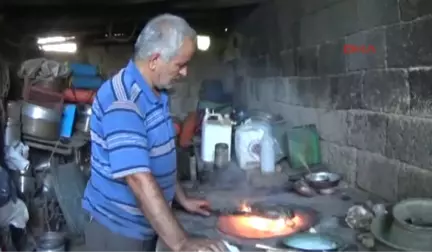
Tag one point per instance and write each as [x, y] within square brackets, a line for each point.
[407, 228]
[41, 122]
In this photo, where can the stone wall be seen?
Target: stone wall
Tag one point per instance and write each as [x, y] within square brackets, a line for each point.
[373, 111]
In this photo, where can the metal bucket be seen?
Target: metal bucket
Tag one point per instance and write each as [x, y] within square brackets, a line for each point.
[51, 241]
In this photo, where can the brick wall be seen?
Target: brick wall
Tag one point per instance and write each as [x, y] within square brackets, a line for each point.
[373, 111]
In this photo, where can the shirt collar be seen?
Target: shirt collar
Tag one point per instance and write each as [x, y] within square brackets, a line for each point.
[148, 92]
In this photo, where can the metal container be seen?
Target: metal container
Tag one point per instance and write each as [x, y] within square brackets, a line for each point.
[412, 224]
[14, 111]
[24, 181]
[380, 229]
[312, 242]
[193, 168]
[38, 112]
[51, 241]
[221, 157]
[322, 180]
[12, 132]
[37, 211]
[83, 118]
[40, 122]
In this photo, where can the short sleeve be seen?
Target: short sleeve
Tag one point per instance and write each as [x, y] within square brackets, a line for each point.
[126, 139]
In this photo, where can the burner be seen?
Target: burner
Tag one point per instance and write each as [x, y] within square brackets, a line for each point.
[264, 222]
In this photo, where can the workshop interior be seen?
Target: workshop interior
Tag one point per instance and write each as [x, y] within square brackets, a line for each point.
[304, 123]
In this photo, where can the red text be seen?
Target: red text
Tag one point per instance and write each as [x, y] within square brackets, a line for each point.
[350, 49]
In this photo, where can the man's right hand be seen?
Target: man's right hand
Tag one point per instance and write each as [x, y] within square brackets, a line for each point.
[203, 245]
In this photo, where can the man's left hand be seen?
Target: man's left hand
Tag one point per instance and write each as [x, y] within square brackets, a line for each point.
[197, 206]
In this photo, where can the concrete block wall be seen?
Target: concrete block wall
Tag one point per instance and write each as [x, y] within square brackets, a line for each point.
[373, 111]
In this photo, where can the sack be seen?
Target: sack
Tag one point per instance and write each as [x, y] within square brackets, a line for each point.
[248, 143]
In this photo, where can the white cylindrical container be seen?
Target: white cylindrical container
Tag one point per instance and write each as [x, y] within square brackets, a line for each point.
[12, 133]
[193, 168]
[267, 154]
[215, 129]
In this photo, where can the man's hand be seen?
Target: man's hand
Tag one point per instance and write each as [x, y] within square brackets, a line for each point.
[203, 245]
[196, 206]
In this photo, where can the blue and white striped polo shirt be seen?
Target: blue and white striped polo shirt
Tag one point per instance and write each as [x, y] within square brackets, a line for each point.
[131, 132]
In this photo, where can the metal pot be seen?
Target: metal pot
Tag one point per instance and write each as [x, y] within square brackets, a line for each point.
[83, 119]
[51, 241]
[40, 122]
[380, 230]
[323, 180]
[412, 224]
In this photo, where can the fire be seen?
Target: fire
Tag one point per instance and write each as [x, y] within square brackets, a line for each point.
[256, 227]
[245, 208]
[266, 225]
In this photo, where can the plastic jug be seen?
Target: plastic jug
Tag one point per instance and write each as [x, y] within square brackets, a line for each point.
[215, 129]
[267, 154]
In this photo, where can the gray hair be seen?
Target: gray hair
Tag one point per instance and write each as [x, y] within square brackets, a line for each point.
[163, 34]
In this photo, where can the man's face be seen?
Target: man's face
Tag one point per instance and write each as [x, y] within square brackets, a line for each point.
[167, 72]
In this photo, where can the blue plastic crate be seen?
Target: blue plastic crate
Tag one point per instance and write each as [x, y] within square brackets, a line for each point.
[85, 82]
[68, 120]
[83, 69]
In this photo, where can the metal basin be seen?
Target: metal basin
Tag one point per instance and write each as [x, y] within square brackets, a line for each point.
[323, 180]
[380, 230]
[412, 224]
[40, 122]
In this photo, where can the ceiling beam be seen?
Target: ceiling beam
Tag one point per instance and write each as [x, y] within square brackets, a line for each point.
[103, 3]
[125, 11]
[76, 2]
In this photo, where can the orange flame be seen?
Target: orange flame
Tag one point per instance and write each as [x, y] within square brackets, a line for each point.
[251, 226]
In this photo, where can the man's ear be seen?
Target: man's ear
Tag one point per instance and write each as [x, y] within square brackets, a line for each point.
[153, 61]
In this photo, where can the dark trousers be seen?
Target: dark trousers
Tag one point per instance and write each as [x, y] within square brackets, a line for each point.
[100, 238]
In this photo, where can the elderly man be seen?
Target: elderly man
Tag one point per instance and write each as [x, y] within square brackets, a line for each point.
[133, 163]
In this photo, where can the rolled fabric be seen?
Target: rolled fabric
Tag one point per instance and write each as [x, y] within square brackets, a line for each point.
[79, 95]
